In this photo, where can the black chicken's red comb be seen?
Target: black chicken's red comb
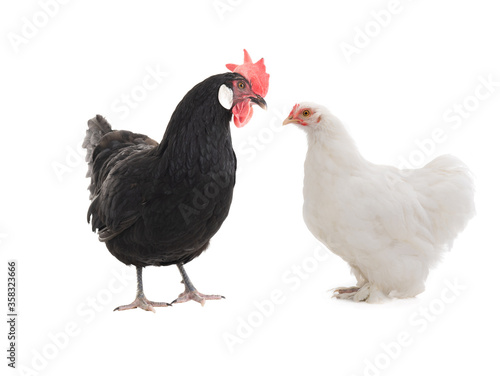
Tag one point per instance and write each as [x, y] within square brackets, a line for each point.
[253, 72]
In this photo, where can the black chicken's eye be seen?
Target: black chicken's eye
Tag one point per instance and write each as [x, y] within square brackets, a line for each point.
[306, 113]
[241, 85]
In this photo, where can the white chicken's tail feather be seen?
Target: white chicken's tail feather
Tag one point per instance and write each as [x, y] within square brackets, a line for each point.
[445, 189]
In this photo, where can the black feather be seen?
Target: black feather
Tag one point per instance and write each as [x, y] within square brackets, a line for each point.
[160, 204]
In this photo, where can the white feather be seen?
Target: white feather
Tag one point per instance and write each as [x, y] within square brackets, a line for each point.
[390, 225]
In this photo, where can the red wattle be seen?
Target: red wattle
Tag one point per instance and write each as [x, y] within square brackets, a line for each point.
[242, 112]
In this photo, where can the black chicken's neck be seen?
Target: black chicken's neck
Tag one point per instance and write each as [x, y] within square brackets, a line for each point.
[198, 134]
[195, 127]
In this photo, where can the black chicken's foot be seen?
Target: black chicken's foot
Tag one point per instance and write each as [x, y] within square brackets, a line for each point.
[187, 295]
[142, 302]
[190, 293]
[140, 299]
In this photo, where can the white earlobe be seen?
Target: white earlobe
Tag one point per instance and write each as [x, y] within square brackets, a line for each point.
[225, 97]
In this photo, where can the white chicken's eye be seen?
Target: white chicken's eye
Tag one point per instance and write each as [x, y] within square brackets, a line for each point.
[306, 113]
[241, 85]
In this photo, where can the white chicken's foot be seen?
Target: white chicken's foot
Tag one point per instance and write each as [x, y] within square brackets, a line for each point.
[345, 290]
[363, 293]
[367, 293]
[140, 299]
[190, 293]
[358, 294]
[345, 293]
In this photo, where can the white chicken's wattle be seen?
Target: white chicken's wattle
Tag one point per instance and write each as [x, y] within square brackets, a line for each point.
[389, 225]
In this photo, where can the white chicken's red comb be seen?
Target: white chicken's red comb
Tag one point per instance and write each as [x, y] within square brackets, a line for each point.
[255, 73]
[292, 113]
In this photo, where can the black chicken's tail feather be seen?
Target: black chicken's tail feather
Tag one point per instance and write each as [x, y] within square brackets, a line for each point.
[98, 127]
[106, 148]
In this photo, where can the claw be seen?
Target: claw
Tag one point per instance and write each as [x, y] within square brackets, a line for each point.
[344, 292]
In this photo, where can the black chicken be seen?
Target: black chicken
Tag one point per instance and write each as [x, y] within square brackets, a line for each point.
[160, 204]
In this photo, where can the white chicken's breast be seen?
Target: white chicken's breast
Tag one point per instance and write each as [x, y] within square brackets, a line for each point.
[389, 225]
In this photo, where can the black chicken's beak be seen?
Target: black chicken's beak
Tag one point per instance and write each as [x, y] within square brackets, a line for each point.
[260, 101]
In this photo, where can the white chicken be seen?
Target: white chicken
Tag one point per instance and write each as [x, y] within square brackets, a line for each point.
[389, 225]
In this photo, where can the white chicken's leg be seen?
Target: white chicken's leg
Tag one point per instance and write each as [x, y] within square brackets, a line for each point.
[140, 299]
[190, 293]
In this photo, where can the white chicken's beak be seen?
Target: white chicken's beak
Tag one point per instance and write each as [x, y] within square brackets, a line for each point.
[289, 120]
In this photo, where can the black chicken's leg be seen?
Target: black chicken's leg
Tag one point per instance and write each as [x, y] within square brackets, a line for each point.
[140, 299]
[190, 293]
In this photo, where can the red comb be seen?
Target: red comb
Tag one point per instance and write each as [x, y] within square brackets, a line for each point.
[255, 73]
[293, 110]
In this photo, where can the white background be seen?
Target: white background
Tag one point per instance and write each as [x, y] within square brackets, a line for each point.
[427, 58]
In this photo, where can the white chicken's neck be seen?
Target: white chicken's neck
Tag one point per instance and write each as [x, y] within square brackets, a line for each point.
[332, 147]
